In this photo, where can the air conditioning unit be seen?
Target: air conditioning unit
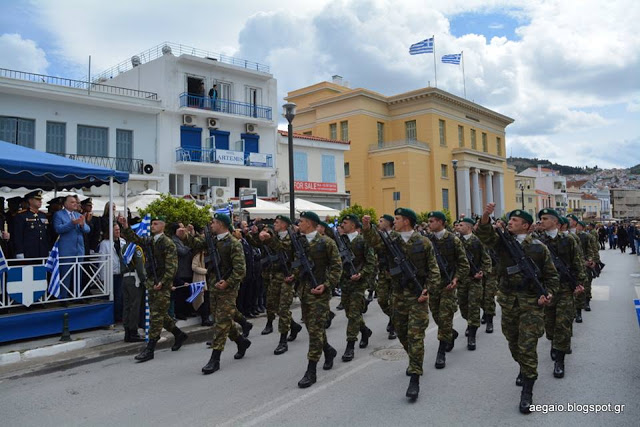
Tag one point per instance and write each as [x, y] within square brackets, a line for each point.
[149, 168]
[251, 128]
[212, 123]
[220, 195]
[188, 120]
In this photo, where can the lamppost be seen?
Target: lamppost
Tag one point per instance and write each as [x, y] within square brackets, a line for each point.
[549, 200]
[289, 112]
[455, 184]
[522, 194]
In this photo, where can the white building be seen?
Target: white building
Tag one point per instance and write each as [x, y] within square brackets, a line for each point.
[602, 193]
[550, 186]
[318, 168]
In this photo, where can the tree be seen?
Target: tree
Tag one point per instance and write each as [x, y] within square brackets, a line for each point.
[178, 210]
[356, 210]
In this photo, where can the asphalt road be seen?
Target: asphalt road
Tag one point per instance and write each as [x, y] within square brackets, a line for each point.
[476, 388]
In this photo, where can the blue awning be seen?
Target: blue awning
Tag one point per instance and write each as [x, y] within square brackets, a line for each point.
[25, 167]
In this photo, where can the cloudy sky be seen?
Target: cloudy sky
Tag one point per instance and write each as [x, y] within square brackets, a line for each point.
[568, 71]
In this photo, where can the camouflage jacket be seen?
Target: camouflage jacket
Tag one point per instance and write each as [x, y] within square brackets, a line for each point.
[452, 251]
[364, 262]
[481, 258]
[323, 254]
[164, 254]
[278, 244]
[567, 250]
[588, 249]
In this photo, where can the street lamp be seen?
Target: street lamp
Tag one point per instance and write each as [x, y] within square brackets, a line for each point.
[522, 194]
[455, 184]
[289, 112]
[549, 200]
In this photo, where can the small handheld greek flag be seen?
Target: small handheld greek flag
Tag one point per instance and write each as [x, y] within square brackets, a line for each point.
[425, 46]
[53, 267]
[452, 58]
[195, 288]
[143, 228]
[3, 263]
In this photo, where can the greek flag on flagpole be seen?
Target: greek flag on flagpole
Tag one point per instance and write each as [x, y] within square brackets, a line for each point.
[142, 228]
[3, 263]
[195, 288]
[425, 46]
[53, 267]
[453, 58]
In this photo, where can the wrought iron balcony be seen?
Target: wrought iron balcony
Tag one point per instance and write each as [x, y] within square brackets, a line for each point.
[225, 106]
[120, 164]
[228, 157]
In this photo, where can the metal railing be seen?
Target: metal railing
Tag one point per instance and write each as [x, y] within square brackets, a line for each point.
[213, 156]
[177, 50]
[225, 106]
[119, 164]
[76, 84]
[398, 144]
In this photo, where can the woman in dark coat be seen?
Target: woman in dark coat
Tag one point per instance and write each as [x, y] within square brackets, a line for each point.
[623, 239]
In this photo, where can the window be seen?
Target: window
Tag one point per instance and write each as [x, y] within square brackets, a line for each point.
[209, 181]
[18, 131]
[346, 169]
[344, 131]
[224, 94]
[307, 133]
[328, 168]
[93, 141]
[410, 130]
[254, 98]
[518, 200]
[176, 184]
[445, 198]
[300, 166]
[474, 146]
[380, 134]
[460, 136]
[388, 169]
[444, 172]
[484, 142]
[443, 135]
[56, 137]
[499, 146]
[124, 150]
[261, 186]
[333, 131]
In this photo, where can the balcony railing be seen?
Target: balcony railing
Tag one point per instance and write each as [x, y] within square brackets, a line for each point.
[398, 144]
[120, 164]
[225, 106]
[228, 157]
[76, 84]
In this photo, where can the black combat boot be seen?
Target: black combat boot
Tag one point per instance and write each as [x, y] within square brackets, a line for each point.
[392, 331]
[330, 353]
[213, 364]
[414, 387]
[519, 379]
[440, 357]
[483, 318]
[553, 353]
[282, 345]
[147, 353]
[126, 335]
[340, 306]
[587, 307]
[243, 344]
[578, 315]
[526, 396]
[471, 339]
[489, 320]
[453, 341]
[180, 337]
[268, 328]
[246, 327]
[364, 338]
[133, 336]
[310, 376]
[327, 324]
[295, 330]
[348, 352]
[558, 367]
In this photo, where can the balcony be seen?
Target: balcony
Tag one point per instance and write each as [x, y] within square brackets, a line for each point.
[225, 106]
[119, 164]
[225, 157]
[387, 145]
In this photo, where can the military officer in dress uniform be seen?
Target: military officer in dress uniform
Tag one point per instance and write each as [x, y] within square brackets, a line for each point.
[30, 238]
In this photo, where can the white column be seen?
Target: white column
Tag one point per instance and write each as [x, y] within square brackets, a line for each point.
[488, 186]
[475, 192]
[498, 192]
[464, 192]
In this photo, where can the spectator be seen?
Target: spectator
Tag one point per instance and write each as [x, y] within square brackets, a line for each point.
[623, 240]
[213, 96]
[184, 273]
[91, 240]
[198, 266]
[631, 233]
[637, 238]
[119, 267]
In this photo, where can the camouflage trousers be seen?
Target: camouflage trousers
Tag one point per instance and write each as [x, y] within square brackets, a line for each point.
[410, 320]
[384, 292]
[581, 299]
[489, 289]
[522, 326]
[558, 321]
[159, 311]
[353, 302]
[271, 295]
[281, 293]
[469, 298]
[315, 311]
[443, 305]
[223, 308]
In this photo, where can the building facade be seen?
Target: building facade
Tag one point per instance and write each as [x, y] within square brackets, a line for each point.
[526, 196]
[551, 188]
[625, 203]
[403, 147]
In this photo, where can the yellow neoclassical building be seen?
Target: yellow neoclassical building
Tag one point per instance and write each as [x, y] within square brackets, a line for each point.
[405, 146]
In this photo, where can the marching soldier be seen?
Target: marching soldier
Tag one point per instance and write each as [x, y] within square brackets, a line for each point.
[589, 252]
[410, 311]
[522, 306]
[384, 290]
[489, 290]
[162, 262]
[30, 237]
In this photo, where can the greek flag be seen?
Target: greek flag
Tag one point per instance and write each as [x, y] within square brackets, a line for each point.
[425, 46]
[3, 263]
[452, 58]
[53, 267]
[142, 228]
[195, 288]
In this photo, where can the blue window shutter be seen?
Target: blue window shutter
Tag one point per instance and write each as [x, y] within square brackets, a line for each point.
[251, 142]
[328, 168]
[300, 167]
[221, 138]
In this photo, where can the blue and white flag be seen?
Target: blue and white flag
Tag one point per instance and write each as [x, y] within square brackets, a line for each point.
[453, 58]
[53, 267]
[195, 288]
[425, 46]
[143, 228]
[3, 263]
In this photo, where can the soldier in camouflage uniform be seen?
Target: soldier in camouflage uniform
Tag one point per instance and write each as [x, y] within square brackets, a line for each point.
[470, 288]
[322, 252]
[223, 293]
[558, 316]
[442, 298]
[521, 302]
[410, 312]
[162, 251]
[590, 254]
[489, 290]
[384, 290]
[595, 250]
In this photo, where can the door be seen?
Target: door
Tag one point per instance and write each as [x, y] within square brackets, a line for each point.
[241, 183]
[191, 143]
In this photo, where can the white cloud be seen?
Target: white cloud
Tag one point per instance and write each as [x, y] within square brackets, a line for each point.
[21, 54]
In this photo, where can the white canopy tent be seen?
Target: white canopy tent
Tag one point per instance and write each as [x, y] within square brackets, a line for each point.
[266, 209]
[306, 205]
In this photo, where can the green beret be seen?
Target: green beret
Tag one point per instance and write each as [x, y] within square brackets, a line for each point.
[573, 217]
[468, 221]
[223, 218]
[324, 224]
[388, 218]
[563, 220]
[159, 218]
[547, 211]
[522, 214]
[351, 217]
[312, 216]
[407, 213]
[284, 218]
[582, 223]
[437, 214]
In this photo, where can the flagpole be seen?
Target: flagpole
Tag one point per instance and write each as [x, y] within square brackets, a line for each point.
[435, 68]
[464, 83]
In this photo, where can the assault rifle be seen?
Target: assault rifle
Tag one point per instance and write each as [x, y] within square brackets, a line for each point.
[302, 261]
[442, 263]
[563, 268]
[346, 254]
[214, 256]
[148, 249]
[473, 268]
[403, 266]
[524, 264]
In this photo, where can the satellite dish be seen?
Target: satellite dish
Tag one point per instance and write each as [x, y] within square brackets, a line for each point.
[135, 60]
[166, 50]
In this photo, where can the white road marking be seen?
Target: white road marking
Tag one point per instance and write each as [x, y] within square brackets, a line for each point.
[600, 293]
